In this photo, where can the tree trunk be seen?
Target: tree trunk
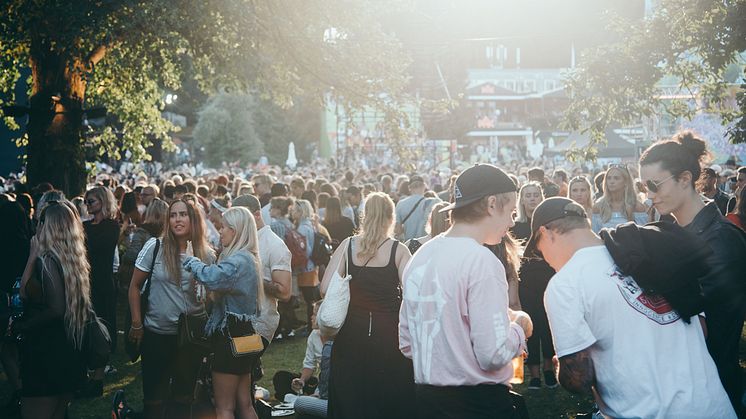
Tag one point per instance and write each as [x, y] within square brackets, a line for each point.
[55, 145]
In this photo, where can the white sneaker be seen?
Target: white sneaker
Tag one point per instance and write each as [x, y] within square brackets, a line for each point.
[109, 369]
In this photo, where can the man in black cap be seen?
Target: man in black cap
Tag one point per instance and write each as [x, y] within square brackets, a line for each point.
[628, 347]
[454, 322]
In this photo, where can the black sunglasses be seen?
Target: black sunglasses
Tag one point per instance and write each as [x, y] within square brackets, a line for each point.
[653, 185]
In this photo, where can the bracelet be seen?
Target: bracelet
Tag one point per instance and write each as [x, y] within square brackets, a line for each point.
[136, 328]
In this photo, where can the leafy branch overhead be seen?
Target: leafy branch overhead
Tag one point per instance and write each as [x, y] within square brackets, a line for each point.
[695, 48]
[126, 53]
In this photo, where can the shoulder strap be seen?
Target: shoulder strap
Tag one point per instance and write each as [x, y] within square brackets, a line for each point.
[394, 247]
[412, 210]
[146, 290]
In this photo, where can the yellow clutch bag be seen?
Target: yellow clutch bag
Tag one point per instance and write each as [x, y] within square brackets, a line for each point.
[246, 345]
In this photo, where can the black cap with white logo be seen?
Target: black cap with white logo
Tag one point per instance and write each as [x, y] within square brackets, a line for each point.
[551, 209]
[477, 182]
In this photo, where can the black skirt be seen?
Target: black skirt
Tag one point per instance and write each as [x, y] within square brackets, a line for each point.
[224, 361]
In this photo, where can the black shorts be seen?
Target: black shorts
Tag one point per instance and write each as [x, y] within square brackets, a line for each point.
[224, 361]
[167, 371]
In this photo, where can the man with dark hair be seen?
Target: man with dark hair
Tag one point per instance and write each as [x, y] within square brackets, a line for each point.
[277, 190]
[536, 174]
[560, 178]
[454, 322]
[355, 198]
[708, 187]
[297, 187]
[636, 351]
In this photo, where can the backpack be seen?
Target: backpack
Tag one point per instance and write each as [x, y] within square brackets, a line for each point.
[96, 343]
[296, 243]
[322, 250]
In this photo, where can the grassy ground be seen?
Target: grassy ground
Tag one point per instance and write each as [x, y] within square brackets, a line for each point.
[288, 355]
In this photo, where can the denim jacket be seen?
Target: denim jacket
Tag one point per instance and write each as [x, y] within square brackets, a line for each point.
[234, 282]
[305, 228]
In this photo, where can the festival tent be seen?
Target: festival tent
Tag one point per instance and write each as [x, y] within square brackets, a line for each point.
[617, 146]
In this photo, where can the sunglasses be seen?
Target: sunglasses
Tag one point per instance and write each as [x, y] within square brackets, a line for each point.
[90, 202]
[653, 185]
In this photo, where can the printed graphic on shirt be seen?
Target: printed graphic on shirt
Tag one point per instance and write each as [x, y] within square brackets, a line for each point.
[656, 308]
[431, 302]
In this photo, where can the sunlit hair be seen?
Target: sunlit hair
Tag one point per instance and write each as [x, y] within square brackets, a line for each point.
[61, 236]
[197, 234]
[240, 220]
[53, 195]
[306, 211]
[587, 202]
[438, 222]
[603, 204]
[106, 197]
[508, 253]
[80, 207]
[156, 216]
[522, 213]
[377, 224]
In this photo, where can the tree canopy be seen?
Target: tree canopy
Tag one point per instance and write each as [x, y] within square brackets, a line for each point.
[124, 54]
[694, 44]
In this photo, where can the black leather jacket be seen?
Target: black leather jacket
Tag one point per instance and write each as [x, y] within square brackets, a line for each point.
[725, 287]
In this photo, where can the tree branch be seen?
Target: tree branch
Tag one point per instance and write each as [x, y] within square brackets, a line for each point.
[95, 56]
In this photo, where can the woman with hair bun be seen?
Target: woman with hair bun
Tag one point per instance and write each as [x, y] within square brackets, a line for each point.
[670, 170]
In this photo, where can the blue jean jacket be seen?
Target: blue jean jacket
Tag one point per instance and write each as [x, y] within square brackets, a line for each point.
[234, 282]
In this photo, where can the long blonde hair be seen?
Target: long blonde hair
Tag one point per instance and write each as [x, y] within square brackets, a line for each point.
[61, 236]
[588, 205]
[630, 196]
[522, 216]
[438, 222]
[171, 251]
[377, 224]
[240, 220]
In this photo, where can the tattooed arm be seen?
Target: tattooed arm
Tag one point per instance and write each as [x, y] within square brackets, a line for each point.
[576, 372]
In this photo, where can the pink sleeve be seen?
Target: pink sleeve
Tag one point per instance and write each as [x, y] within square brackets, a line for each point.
[495, 340]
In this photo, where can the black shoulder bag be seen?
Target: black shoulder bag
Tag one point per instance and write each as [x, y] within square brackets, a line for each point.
[191, 331]
[131, 348]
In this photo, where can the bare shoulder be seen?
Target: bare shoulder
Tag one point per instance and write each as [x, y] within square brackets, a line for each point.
[640, 207]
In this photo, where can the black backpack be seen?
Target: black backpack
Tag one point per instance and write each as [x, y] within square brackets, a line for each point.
[322, 250]
[96, 342]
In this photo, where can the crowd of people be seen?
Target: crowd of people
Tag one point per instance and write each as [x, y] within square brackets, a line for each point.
[626, 285]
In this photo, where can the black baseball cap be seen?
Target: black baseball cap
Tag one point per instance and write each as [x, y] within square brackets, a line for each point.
[551, 209]
[477, 182]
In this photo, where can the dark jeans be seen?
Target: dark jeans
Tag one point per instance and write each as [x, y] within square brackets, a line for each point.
[492, 401]
[168, 372]
[310, 296]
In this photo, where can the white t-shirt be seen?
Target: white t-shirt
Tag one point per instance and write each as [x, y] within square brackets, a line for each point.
[648, 362]
[275, 256]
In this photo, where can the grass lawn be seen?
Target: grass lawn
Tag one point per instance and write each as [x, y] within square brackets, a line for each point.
[288, 355]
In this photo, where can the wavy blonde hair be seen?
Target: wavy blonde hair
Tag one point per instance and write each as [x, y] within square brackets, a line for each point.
[107, 199]
[61, 236]
[240, 220]
[584, 180]
[438, 222]
[306, 211]
[630, 197]
[377, 224]
[171, 251]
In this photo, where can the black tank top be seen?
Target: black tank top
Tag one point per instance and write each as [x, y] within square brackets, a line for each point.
[375, 289]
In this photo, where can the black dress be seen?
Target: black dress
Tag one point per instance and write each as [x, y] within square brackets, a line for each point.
[370, 378]
[101, 240]
[50, 364]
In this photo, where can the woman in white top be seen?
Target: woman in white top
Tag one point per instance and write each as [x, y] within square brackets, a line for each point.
[619, 203]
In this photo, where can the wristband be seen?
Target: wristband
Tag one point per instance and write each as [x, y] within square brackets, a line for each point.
[136, 328]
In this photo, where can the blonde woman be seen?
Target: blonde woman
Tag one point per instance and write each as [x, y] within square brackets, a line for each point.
[57, 306]
[619, 203]
[168, 372]
[437, 223]
[579, 190]
[529, 197]
[238, 295]
[371, 378]
[102, 235]
[308, 277]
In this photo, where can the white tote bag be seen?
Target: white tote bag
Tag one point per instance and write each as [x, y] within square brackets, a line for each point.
[333, 310]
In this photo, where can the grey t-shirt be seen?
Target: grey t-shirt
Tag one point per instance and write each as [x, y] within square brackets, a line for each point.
[167, 300]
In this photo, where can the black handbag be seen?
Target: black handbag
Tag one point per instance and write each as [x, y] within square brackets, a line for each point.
[132, 348]
[191, 332]
[96, 342]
